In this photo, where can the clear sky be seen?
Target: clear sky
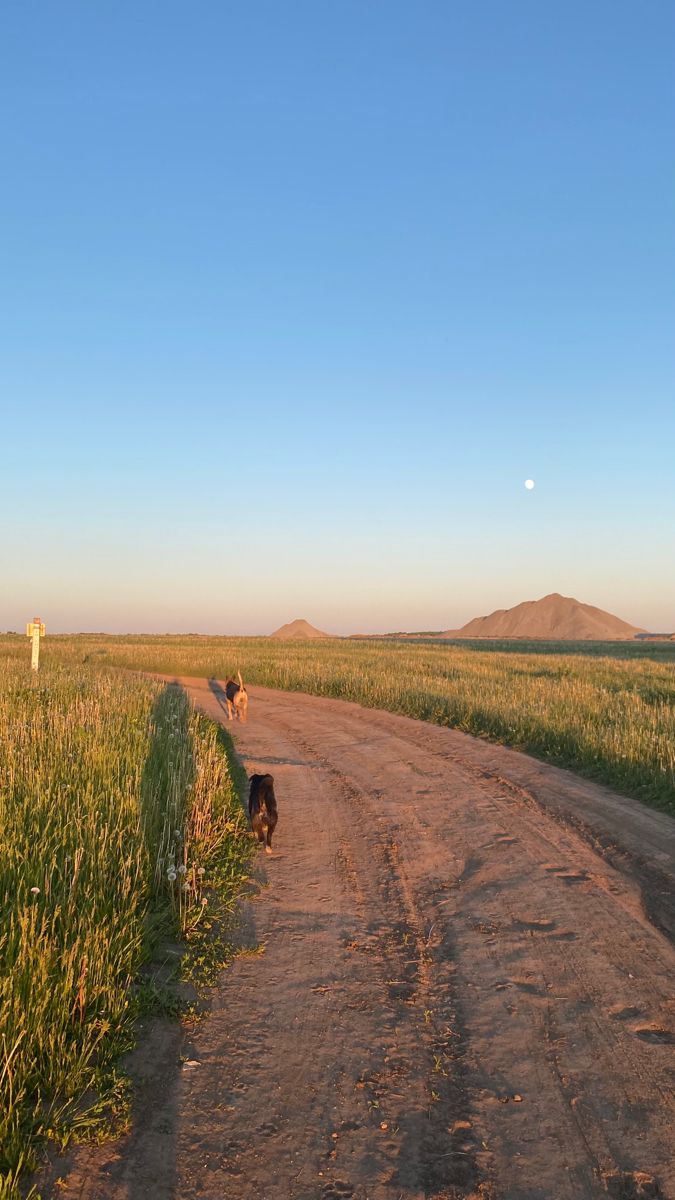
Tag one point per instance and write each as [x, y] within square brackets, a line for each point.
[295, 296]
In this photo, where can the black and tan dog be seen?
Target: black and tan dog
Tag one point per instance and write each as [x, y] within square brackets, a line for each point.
[262, 809]
[236, 698]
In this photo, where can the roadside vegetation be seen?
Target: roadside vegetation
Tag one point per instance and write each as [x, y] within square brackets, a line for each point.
[121, 830]
[610, 717]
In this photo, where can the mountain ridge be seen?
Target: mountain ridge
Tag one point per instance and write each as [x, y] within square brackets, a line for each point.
[553, 617]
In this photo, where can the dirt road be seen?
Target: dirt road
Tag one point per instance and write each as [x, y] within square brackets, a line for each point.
[466, 988]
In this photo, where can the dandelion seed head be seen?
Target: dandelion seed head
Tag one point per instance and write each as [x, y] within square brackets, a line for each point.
[35, 891]
[182, 870]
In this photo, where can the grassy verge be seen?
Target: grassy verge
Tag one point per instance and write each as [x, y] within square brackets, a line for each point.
[120, 826]
[611, 719]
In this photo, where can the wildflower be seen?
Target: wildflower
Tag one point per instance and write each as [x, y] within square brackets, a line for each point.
[171, 875]
[200, 870]
[182, 870]
[35, 891]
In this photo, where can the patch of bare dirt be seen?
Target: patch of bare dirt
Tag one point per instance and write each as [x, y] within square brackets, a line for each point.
[465, 991]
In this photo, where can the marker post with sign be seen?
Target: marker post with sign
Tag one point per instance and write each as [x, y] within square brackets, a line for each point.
[35, 629]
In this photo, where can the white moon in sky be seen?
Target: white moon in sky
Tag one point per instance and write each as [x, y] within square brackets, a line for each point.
[529, 484]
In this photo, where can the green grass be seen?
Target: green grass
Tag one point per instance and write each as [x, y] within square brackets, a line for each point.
[660, 652]
[120, 826]
[608, 717]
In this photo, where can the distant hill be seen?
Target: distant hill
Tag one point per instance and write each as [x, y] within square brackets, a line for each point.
[555, 617]
[298, 631]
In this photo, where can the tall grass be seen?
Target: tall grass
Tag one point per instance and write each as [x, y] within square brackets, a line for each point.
[116, 809]
[611, 719]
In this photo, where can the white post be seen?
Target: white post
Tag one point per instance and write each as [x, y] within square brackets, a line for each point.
[35, 630]
[35, 656]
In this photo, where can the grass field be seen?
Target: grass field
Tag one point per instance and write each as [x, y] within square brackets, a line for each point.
[610, 717]
[120, 826]
[119, 816]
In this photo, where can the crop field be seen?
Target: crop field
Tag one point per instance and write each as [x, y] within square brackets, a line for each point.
[120, 827]
[610, 717]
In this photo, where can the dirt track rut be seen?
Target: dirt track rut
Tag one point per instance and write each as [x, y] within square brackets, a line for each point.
[466, 988]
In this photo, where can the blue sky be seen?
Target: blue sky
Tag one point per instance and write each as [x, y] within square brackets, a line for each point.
[294, 297]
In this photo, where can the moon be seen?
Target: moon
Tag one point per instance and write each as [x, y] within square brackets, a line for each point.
[529, 484]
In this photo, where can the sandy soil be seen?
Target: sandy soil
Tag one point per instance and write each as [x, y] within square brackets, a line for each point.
[466, 988]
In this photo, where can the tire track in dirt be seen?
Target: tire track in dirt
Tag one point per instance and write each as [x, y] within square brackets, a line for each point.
[437, 1149]
[460, 995]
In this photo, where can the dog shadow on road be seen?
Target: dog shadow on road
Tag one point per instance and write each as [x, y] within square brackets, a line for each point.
[219, 694]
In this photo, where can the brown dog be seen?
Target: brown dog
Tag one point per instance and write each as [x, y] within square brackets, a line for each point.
[262, 809]
[236, 698]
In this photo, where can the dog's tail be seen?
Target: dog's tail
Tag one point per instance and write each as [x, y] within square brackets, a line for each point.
[241, 682]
